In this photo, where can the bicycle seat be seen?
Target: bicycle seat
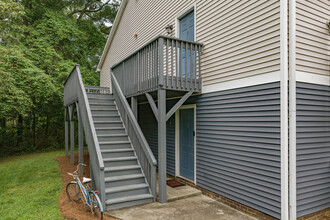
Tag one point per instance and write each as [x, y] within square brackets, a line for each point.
[86, 180]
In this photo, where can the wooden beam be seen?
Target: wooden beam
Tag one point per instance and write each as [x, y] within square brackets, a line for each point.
[153, 105]
[178, 105]
[162, 145]
[134, 106]
[66, 131]
[71, 112]
[80, 140]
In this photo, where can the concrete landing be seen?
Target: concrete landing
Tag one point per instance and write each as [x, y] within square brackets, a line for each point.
[193, 208]
[180, 192]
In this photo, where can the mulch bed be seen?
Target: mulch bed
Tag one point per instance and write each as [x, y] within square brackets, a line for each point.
[69, 209]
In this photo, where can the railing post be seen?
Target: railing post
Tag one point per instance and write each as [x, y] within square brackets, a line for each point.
[80, 140]
[66, 116]
[160, 61]
[153, 182]
[71, 112]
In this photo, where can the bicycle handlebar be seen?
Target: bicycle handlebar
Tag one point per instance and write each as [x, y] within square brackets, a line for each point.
[77, 171]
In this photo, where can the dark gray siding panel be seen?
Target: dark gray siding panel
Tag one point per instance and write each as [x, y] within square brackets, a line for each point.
[238, 145]
[313, 148]
[148, 124]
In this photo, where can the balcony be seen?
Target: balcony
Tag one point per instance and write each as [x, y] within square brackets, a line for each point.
[164, 62]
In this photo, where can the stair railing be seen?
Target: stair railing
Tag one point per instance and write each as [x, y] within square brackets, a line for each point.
[143, 152]
[74, 91]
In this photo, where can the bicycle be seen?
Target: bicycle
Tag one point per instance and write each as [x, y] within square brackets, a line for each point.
[74, 189]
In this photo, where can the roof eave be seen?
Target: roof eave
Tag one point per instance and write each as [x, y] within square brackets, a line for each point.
[111, 35]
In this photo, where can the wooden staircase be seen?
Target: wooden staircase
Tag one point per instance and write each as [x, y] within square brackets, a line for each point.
[125, 182]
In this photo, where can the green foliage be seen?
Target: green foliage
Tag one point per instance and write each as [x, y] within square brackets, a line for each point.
[32, 191]
[40, 41]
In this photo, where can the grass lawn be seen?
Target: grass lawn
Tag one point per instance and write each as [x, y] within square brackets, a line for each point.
[30, 186]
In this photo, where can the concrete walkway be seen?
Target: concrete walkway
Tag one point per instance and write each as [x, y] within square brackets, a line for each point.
[191, 206]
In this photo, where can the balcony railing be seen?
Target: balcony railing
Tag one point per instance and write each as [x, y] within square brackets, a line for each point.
[166, 62]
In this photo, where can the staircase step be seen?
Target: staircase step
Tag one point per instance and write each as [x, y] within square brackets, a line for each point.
[122, 170]
[110, 130]
[112, 137]
[101, 124]
[120, 161]
[129, 190]
[124, 180]
[104, 112]
[128, 201]
[106, 118]
[126, 188]
[121, 152]
[99, 96]
[103, 108]
[114, 142]
[94, 101]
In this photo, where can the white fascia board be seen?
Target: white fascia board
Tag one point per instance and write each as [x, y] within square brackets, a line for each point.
[112, 34]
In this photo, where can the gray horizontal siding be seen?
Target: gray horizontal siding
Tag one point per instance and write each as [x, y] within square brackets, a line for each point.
[148, 124]
[238, 145]
[313, 148]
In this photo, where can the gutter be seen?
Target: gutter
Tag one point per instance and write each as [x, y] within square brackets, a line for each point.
[292, 110]
[112, 34]
[284, 108]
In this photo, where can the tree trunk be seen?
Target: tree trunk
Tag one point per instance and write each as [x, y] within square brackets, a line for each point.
[34, 128]
[19, 130]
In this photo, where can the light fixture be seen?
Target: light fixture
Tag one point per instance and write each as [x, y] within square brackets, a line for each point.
[169, 28]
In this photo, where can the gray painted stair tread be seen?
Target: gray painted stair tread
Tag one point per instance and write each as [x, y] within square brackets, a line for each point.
[118, 168]
[126, 188]
[123, 177]
[128, 198]
[109, 128]
[115, 142]
[105, 122]
[112, 135]
[119, 159]
[117, 150]
[96, 103]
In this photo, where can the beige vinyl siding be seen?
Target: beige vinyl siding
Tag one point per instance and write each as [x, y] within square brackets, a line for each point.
[241, 38]
[148, 19]
[313, 39]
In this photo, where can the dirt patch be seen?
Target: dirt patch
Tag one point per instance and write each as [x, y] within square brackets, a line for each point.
[69, 209]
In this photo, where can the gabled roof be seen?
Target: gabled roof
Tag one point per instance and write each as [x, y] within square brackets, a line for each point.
[112, 34]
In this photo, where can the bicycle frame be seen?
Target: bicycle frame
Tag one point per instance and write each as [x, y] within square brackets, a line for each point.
[85, 190]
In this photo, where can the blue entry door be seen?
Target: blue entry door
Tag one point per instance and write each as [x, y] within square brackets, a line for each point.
[187, 32]
[187, 145]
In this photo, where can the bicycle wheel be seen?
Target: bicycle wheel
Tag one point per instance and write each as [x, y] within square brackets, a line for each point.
[73, 192]
[96, 206]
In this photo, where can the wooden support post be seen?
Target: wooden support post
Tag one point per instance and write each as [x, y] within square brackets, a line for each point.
[162, 145]
[66, 116]
[134, 106]
[71, 111]
[80, 140]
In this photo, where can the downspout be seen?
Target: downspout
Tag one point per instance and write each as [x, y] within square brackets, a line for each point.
[292, 109]
[284, 108]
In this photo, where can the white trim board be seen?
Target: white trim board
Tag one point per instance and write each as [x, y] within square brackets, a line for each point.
[312, 78]
[177, 141]
[243, 82]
